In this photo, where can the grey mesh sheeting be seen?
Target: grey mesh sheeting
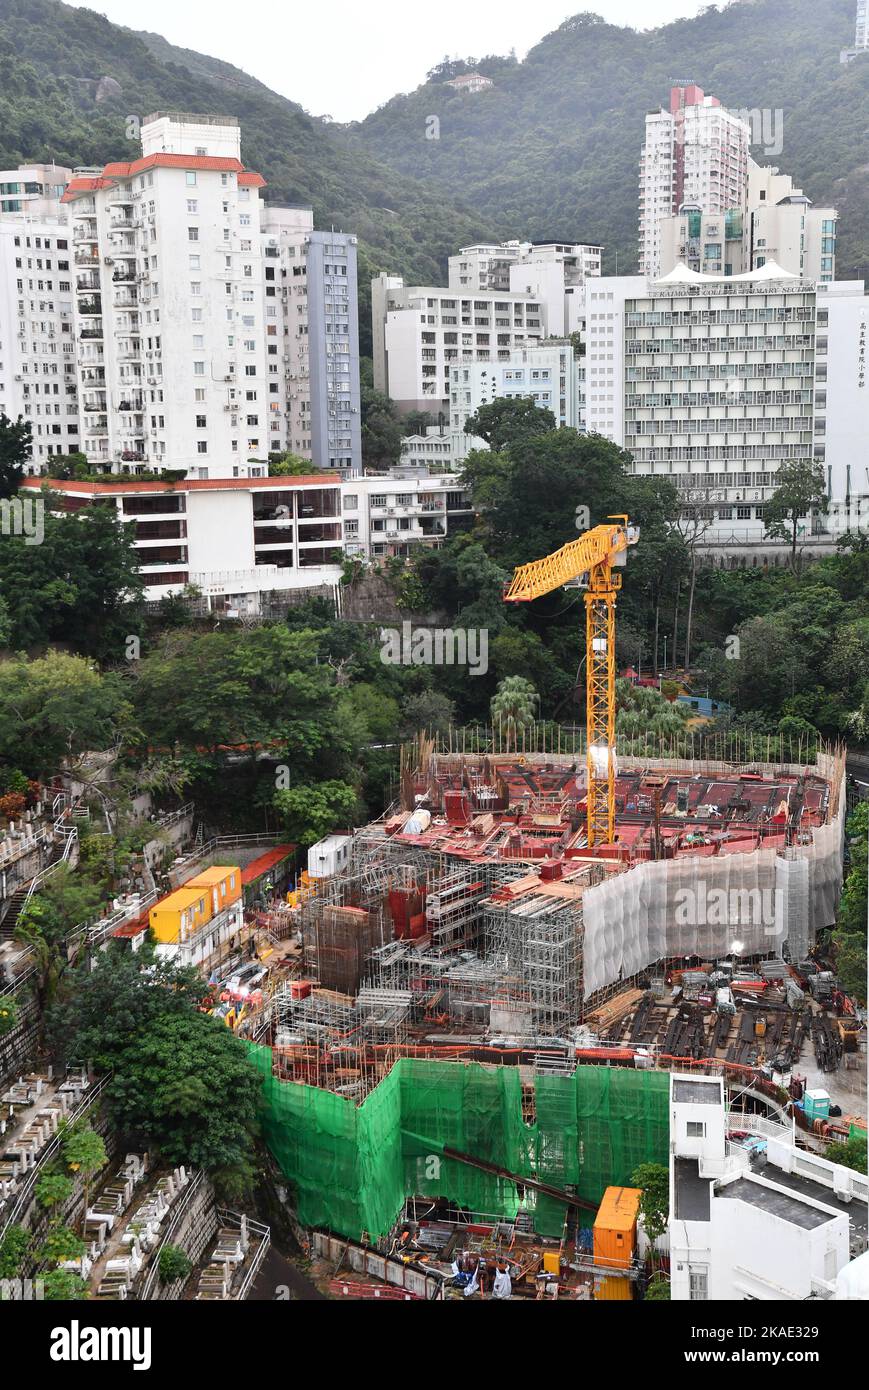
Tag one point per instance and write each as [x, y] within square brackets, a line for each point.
[697, 905]
[775, 899]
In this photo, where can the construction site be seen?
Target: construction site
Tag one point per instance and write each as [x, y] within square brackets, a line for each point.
[485, 1008]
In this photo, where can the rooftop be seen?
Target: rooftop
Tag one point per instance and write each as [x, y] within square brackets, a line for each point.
[777, 1203]
[697, 1091]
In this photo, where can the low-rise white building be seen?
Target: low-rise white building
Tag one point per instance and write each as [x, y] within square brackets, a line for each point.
[547, 374]
[236, 539]
[778, 1229]
[390, 513]
[421, 332]
[553, 271]
[438, 450]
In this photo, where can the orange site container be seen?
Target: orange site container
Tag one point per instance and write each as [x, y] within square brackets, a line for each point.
[615, 1238]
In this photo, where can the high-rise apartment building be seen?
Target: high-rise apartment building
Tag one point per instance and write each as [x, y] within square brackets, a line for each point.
[422, 332]
[861, 34]
[695, 153]
[312, 340]
[169, 303]
[778, 224]
[37, 343]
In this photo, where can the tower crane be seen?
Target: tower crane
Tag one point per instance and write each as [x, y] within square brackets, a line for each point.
[589, 562]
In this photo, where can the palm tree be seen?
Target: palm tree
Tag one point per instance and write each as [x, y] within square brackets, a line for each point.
[513, 706]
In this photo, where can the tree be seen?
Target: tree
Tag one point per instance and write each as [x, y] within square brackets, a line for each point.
[61, 1244]
[430, 710]
[380, 428]
[84, 1152]
[16, 447]
[52, 1190]
[654, 1180]
[288, 465]
[62, 1286]
[416, 422]
[800, 489]
[310, 812]
[64, 901]
[851, 1154]
[509, 420]
[56, 708]
[658, 1290]
[13, 1248]
[80, 586]
[513, 706]
[173, 1264]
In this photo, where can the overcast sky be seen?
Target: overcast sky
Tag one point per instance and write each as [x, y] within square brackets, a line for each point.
[343, 58]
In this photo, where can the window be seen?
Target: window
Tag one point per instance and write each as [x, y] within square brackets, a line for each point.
[696, 1129]
[202, 446]
[195, 263]
[190, 177]
[192, 205]
[698, 1285]
[200, 422]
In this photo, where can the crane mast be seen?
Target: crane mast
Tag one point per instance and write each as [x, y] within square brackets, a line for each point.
[596, 554]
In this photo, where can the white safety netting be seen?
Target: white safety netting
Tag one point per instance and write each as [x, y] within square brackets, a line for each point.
[713, 906]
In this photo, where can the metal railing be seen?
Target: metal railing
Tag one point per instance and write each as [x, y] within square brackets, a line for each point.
[175, 1217]
[22, 1200]
[256, 1230]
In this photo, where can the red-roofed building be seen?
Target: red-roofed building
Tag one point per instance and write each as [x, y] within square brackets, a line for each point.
[172, 317]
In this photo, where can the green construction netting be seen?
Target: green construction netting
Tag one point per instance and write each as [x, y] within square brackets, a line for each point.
[353, 1166]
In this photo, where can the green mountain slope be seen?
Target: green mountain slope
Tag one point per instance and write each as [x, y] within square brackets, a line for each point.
[56, 104]
[552, 149]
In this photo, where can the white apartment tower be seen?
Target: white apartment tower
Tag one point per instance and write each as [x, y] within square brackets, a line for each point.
[312, 340]
[778, 224]
[169, 304]
[37, 343]
[549, 374]
[697, 153]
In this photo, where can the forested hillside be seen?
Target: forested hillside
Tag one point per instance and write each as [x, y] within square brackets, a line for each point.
[552, 149]
[56, 104]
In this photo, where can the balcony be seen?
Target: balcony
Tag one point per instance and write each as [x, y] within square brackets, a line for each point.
[95, 332]
[91, 306]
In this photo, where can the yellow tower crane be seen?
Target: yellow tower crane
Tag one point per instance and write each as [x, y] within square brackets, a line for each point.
[595, 554]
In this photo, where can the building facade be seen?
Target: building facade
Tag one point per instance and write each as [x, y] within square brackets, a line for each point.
[313, 363]
[695, 153]
[775, 1231]
[421, 332]
[235, 540]
[714, 382]
[169, 302]
[548, 374]
[554, 272]
[778, 224]
[37, 339]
